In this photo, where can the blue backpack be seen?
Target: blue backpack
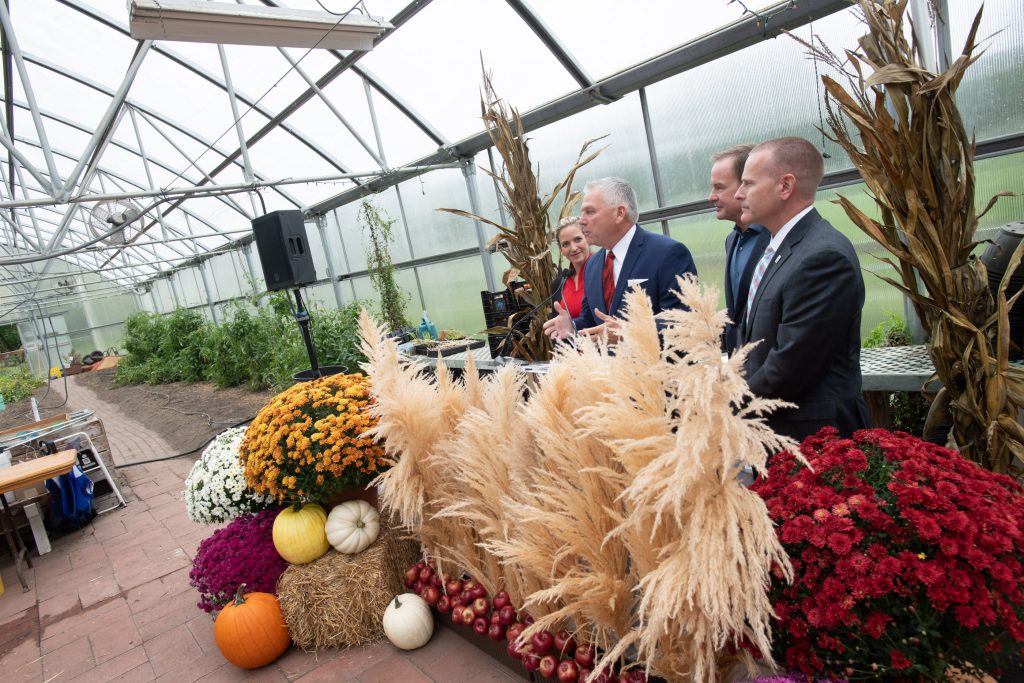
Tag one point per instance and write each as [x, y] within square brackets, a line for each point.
[70, 500]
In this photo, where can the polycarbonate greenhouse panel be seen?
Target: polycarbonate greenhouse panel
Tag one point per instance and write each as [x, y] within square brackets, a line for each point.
[991, 96]
[764, 91]
[556, 147]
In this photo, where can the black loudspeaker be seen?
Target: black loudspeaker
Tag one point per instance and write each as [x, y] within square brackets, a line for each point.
[284, 251]
[997, 259]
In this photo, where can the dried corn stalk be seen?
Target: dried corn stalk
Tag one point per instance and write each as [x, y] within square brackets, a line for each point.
[916, 157]
[531, 234]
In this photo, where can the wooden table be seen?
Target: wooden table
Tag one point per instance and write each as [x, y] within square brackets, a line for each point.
[20, 476]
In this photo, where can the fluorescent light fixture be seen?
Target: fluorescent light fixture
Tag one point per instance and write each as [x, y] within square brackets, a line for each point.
[222, 22]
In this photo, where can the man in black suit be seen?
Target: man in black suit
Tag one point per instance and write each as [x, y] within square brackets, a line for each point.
[745, 243]
[631, 257]
[805, 298]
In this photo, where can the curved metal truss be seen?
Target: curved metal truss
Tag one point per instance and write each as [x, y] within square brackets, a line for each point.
[49, 188]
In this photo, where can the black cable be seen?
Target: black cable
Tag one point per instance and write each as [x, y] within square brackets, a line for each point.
[182, 455]
[262, 203]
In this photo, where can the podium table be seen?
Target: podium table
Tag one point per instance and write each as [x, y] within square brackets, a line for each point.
[22, 475]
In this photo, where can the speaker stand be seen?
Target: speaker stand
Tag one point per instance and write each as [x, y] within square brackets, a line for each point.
[302, 318]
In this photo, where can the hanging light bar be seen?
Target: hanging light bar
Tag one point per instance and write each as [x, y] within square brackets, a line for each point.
[221, 22]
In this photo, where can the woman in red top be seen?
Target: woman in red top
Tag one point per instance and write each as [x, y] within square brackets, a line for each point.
[574, 247]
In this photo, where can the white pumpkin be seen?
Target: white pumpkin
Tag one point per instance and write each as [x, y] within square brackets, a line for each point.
[352, 526]
[408, 621]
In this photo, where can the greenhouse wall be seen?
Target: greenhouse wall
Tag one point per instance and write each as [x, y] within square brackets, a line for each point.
[437, 255]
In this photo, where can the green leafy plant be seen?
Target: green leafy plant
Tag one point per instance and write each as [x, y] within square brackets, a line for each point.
[17, 383]
[9, 338]
[379, 265]
[907, 410]
[257, 345]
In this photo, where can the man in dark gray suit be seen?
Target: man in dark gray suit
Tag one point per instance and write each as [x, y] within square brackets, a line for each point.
[805, 298]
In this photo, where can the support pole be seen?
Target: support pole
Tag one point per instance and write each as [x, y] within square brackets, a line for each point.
[321, 227]
[469, 171]
[206, 287]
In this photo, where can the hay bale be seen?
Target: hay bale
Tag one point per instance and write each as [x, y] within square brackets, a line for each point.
[339, 600]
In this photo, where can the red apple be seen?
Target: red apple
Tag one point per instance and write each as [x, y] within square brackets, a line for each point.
[417, 587]
[430, 595]
[602, 677]
[453, 587]
[548, 665]
[565, 644]
[436, 581]
[531, 660]
[480, 625]
[585, 656]
[506, 615]
[542, 642]
[468, 583]
[468, 616]
[496, 632]
[568, 672]
[481, 607]
[494, 618]
[528, 620]
[514, 630]
[444, 605]
[412, 575]
[426, 574]
[465, 597]
[512, 650]
[477, 591]
[501, 599]
[634, 676]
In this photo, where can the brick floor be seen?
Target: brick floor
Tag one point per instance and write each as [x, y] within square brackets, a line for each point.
[112, 602]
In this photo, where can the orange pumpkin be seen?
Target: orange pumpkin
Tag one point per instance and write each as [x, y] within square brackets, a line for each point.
[250, 630]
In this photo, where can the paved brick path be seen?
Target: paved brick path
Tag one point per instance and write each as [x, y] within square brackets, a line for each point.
[112, 602]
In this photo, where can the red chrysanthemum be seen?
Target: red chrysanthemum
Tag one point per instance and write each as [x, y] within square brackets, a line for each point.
[906, 556]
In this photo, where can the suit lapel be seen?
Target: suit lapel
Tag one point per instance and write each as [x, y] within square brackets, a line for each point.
[796, 234]
[632, 254]
[730, 241]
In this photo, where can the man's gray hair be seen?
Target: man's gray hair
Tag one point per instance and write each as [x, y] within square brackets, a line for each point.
[616, 191]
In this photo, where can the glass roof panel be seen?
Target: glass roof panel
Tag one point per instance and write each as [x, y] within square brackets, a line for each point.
[433, 62]
[69, 38]
[638, 31]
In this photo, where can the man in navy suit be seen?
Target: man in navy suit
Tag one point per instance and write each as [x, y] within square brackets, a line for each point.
[630, 257]
[805, 298]
[745, 243]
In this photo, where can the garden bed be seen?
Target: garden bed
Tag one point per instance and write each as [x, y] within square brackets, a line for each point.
[185, 415]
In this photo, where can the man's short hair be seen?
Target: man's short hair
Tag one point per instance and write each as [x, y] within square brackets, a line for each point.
[738, 154]
[799, 157]
[616, 191]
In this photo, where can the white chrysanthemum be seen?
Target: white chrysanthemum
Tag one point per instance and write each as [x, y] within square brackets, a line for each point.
[215, 489]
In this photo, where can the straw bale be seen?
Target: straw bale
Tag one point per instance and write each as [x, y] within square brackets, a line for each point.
[339, 600]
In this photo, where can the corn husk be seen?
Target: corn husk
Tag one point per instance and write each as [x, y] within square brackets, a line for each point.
[910, 144]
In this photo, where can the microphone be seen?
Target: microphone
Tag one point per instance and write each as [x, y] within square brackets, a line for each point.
[517, 326]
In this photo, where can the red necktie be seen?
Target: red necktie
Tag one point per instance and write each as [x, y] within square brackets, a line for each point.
[608, 280]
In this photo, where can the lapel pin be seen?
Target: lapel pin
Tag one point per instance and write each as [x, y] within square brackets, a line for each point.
[777, 258]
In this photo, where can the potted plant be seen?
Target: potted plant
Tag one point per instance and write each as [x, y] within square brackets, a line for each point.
[906, 559]
[309, 443]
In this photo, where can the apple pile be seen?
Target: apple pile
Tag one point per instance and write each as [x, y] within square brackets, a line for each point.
[466, 603]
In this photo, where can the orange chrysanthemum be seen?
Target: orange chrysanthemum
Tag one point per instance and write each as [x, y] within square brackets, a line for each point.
[309, 442]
